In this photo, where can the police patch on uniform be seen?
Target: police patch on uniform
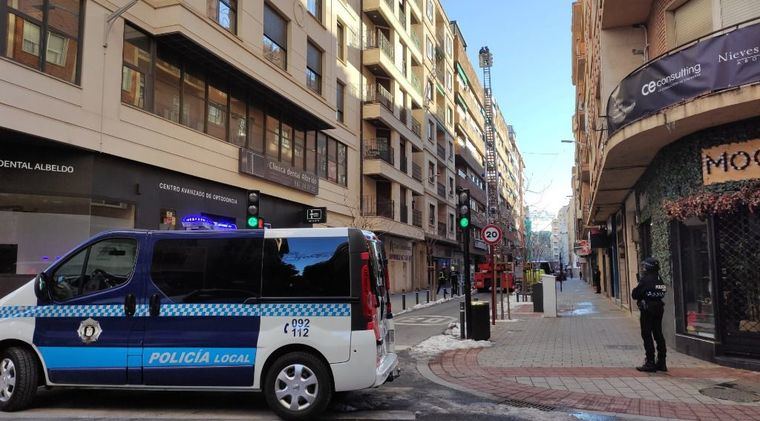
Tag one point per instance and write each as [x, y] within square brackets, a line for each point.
[89, 330]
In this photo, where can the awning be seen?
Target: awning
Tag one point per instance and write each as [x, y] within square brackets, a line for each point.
[462, 74]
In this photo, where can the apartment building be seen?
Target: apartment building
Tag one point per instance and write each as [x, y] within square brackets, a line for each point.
[667, 124]
[160, 115]
[407, 127]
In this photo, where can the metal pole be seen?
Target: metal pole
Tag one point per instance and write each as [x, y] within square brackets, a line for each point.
[467, 286]
[403, 300]
[493, 284]
[502, 295]
[416, 297]
[461, 319]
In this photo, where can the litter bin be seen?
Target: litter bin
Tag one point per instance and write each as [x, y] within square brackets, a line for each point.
[481, 321]
[538, 297]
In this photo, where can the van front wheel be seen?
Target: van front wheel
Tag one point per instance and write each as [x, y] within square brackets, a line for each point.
[19, 377]
[297, 386]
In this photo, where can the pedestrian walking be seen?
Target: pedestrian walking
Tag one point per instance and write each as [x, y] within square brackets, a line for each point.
[597, 280]
[441, 281]
[454, 279]
[648, 295]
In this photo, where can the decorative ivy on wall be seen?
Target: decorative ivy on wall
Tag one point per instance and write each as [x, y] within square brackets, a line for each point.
[673, 185]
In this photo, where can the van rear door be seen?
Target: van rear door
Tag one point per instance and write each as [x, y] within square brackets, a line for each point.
[381, 280]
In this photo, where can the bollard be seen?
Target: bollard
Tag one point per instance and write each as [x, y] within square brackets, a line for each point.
[461, 320]
[403, 301]
[444, 293]
[428, 295]
[417, 297]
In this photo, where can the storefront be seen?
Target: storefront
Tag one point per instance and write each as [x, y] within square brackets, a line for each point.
[698, 214]
[53, 197]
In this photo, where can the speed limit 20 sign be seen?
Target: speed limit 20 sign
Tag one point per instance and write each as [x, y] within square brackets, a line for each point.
[491, 234]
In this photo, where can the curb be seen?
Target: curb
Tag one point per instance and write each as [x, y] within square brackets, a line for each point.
[424, 370]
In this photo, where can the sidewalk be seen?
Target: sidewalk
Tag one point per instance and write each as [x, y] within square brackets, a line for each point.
[585, 360]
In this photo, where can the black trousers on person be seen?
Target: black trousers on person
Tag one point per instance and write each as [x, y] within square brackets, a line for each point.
[651, 329]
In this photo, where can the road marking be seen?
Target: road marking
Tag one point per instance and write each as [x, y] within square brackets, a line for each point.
[432, 320]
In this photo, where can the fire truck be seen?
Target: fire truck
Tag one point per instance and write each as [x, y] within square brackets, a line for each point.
[484, 276]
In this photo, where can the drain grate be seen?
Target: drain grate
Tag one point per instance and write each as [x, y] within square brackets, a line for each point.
[623, 347]
[731, 392]
[518, 403]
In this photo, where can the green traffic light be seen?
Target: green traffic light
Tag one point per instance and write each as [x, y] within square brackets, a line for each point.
[464, 222]
[253, 222]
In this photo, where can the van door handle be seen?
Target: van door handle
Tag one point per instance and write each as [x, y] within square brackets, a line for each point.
[130, 304]
[155, 305]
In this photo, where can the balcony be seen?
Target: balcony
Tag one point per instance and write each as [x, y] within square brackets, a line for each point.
[441, 229]
[441, 152]
[377, 94]
[441, 190]
[379, 11]
[378, 149]
[416, 172]
[416, 127]
[378, 55]
[404, 214]
[417, 218]
[373, 206]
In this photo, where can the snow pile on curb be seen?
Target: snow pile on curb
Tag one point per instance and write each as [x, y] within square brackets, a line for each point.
[425, 305]
[446, 342]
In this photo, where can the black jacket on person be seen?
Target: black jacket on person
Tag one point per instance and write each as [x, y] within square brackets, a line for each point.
[650, 290]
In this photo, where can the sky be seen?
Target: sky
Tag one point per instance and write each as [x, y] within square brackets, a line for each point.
[531, 81]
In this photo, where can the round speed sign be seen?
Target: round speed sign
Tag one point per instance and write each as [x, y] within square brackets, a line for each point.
[491, 234]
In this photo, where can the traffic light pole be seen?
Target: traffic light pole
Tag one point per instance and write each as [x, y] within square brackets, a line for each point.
[467, 287]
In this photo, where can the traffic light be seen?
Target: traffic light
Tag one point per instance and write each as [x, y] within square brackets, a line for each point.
[463, 209]
[252, 210]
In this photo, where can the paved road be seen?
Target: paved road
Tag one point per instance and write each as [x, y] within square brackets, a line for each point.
[411, 396]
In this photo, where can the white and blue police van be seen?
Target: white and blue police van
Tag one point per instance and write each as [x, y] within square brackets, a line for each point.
[297, 314]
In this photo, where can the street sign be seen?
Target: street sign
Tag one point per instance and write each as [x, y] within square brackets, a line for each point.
[491, 234]
[315, 215]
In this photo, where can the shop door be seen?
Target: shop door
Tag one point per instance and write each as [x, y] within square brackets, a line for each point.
[738, 255]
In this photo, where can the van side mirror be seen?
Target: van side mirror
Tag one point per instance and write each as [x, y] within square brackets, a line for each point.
[41, 287]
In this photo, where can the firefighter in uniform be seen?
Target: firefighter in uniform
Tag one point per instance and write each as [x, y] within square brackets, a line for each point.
[648, 295]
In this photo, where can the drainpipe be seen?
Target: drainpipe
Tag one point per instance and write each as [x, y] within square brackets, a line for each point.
[643, 26]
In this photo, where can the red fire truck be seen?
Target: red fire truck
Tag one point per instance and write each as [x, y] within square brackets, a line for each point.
[483, 277]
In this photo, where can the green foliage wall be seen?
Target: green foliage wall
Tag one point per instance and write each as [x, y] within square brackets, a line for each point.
[676, 172]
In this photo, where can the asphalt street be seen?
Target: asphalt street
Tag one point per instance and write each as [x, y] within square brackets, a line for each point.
[412, 396]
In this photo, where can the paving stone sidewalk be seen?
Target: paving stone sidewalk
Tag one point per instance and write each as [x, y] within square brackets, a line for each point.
[585, 360]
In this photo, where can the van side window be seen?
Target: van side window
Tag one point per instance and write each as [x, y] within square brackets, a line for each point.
[306, 267]
[215, 270]
[103, 265]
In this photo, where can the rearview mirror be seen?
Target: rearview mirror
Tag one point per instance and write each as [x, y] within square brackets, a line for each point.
[41, 287]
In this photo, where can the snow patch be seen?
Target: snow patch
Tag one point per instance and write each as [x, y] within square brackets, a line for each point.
[446, 342]
[507, 321]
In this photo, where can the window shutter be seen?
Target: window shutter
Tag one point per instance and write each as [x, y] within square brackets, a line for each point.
[314, 58]
[275, 27]
[693, 20]
[735, 11]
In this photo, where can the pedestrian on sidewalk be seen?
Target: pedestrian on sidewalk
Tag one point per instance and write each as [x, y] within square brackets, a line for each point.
[648, 295]
[597, 280]
[441, 281]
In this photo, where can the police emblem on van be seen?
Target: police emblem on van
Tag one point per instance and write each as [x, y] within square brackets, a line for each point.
[89, 331]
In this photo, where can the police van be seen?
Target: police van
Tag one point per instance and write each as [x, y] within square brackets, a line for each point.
[295, 313]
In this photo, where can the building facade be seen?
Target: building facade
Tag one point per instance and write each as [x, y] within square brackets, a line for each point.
[667, 125]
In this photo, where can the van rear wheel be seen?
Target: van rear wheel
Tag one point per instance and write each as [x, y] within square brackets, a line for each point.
[297, 386]
[19, 378]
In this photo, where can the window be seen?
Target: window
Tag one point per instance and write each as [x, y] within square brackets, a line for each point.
[311, 152]
[275, 37]
[431, 214]
[103, 265]
[136, 66]
[273, 137]
[298, 149]
[314, 67]
[449, 80]
[315, 8]
[461, 173]
[429, 90]
[431, 130]
[449, 116]
[322, 154]
[429, 48]
[451, 222]
[56, 22]
[698, 312]
[306, 267]
[340, 35]
[286, 144]
[431, 172]
[340, 93]
[219, 270]
[256, 123]
[167, 85]
[342, 164]
[449, 45]
[238, 121]
[194, 101]
[429, 10]
[224, 12]
[332, 159]
[217, 112]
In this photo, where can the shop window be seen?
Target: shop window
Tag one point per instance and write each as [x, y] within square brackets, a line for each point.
[273, 137]
[332, 161]
[322, 154]
[286, 144]
[103, 265]
[696, 283]
[56, 22]
[167, 87]
[306, 267]
[311, 152]
[193, 101]
[223, 12]
[298, 149]
[275, 39]
[217, 112]
[238, 122]
[224, 270]
[256, 123]
[314, 67]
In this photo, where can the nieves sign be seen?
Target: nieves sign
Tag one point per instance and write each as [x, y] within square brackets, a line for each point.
[712, 64]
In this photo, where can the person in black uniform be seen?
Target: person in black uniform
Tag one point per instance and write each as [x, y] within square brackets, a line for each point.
[648, 295]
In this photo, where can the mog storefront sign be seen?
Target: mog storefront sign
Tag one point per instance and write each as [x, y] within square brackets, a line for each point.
[277, 172]
[731, 162]
[713, 64]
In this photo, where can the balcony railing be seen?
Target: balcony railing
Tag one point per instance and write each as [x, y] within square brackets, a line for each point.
[416, 82]
[404, 115]
[404, 214]
[378, 39]
[416, 127]
[373, 206]
[441, 152]
[441, 190]
[416, 172]
[417, 218]
[378, 94]
[403, 166]
[442, 229]
[378, 149]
